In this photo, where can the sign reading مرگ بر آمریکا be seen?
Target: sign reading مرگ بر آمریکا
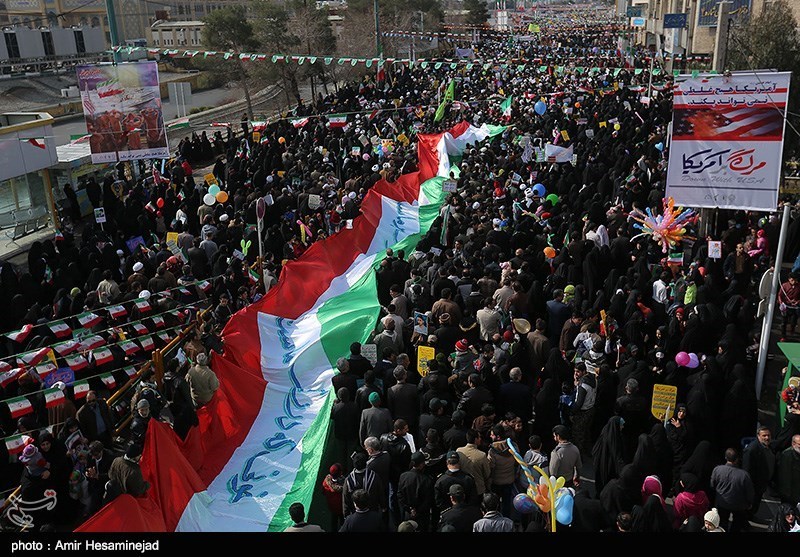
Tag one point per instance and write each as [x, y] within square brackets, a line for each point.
[664, 399]
[727, 140]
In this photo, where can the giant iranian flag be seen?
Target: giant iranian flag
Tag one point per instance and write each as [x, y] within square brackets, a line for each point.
[260, 441]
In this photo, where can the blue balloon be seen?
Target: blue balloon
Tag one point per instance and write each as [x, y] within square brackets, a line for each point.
[659, 146]
[540, 108]
[564, 505]
[524, 504]
[539, 190]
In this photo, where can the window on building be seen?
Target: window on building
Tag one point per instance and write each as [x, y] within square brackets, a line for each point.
[11, 45]
[95, 21]
[52, 18]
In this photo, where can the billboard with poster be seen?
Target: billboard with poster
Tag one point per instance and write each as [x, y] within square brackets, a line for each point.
[727, 140]
[122, 107]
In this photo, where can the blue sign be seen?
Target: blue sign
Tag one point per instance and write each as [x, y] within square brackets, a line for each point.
[709, 10]
[64, 374]
[675, 21]
[638, 21]
[634, 11]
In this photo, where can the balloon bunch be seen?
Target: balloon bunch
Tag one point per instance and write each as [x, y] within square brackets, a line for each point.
[690, 360]
[668, 229]
[549, 493]
[215, 194]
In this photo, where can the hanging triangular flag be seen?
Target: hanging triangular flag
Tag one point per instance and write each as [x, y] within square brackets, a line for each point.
[21, 335]
[158, 321]
[66, 347]
[15, 444]
[7, 377]
[89, 319]
[102, 356]
[80, 388]
[129, 347]
[34, 357]
[76, 362]
[108, 380]
[19, 406]
[204, 285]
[60, 329]
[140, 329]
[142, 305]
[45, 369]
[53, 397]
[92, 342]
[117, 311]
[130, 371]
[4, 366]
[147, 343]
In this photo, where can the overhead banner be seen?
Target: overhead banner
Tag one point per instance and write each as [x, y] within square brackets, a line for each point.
[709, 12]
[727, 140]
[122, 107]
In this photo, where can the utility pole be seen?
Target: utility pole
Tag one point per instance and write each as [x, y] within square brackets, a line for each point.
[721, 39]
[112, 28]
[378, 51]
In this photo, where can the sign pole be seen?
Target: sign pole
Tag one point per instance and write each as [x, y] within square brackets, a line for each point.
[766, 329]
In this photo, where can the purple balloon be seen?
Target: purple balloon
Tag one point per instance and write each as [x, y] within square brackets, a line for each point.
[694, 361]
[524, 504]
[682, 359]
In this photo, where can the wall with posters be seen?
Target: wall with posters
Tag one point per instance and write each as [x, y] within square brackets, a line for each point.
[727, 140]
[122, 107]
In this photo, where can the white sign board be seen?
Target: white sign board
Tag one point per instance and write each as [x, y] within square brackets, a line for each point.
[715, 249]
[100, 215]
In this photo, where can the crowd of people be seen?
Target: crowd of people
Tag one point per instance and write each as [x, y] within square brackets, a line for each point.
[550, 321]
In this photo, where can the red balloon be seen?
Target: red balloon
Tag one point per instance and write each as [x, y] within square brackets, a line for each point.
[160, 202]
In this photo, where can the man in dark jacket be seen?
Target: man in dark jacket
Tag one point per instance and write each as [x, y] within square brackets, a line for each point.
[460, 517]
[344, 378]
[415, 493]
[474, 397]
[758, 460]
[361, 479]
[453, 475]
[396, 446]
[97, 473]
[358, 363]
[125, 474]
[345, 416]
[403, 400]
[515, 397]
[95, 419]
[375, 421]
[365, 518]
[789, 472]
[733, 490]
[456, 437]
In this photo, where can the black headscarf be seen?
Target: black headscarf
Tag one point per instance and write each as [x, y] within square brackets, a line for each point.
[651, 517]
[607, 454]
[621, 494]
[701, 464]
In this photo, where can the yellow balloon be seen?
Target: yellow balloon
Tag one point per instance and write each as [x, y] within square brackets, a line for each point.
[617, 127]
[560, 482]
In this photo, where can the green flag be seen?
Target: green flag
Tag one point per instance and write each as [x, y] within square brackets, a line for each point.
[448, 97]
[505, 107]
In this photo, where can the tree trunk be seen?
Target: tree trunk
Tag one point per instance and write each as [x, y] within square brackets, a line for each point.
[245, 88]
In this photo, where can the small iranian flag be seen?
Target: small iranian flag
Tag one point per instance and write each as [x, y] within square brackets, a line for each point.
[102, 356]
[67, 347]
[7, 377]
[21, 335]
[337, 120]
[34, 357]
[108, 380]
[676, 258]
[4, 366]
[15, 444]
[147, 343]
[19, 406]
[89, 319]
[184, 291]
[253, 276]
[45, 369]
[130, 371]
[92, 342]
[129, 347]
[142, 305]
[60, 329]
[164, 336]
[204, 285]
[140, 329]
[53, 397]
[76, 362]
[373, 114]
[117, 311]
[80, 388]
[178, 124]
[300, 122]
[158, 321]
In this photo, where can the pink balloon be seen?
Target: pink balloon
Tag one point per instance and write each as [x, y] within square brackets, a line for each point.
[682, 359]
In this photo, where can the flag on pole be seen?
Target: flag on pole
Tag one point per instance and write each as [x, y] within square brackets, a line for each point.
[15, 444]
[89, 320]
[80, 388]
[21, 335]
[337, 120]
[53, 397]
[505, 107]
[19, 406]
[60, 329]
[108, 380]
[449, 94]
[180, 123]
[300, 122]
